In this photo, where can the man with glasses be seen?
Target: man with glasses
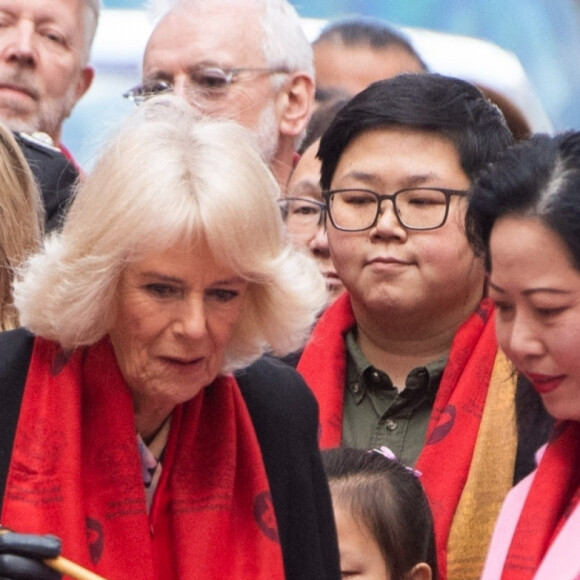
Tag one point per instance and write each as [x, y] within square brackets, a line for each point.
[407, 357]
[248, 60]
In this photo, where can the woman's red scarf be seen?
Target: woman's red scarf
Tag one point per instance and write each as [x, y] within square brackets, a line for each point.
[76, 472]
[454, 423]
[554, 493]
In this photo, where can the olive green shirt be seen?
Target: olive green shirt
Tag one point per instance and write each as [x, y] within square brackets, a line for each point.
[376, 414]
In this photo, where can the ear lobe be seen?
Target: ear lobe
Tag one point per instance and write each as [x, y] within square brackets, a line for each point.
[420, 571]
[298, 100]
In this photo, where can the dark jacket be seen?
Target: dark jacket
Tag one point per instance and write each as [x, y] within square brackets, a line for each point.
[55, 175]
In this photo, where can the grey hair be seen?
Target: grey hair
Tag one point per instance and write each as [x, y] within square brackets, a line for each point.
[92, 9]
[167, 177]
[285, 42]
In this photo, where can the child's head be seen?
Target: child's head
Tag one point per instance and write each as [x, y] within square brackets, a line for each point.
[385, 527]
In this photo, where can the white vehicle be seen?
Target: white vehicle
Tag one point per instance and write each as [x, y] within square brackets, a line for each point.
[122, 35]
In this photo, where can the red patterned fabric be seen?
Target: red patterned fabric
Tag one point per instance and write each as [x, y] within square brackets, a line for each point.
[76, 472]
[553, 495]
[453, 426]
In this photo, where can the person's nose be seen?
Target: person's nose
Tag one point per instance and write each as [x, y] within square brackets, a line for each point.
[519, 338]
[388, 225]
[191, 321]
[19, 43]
[319, 242]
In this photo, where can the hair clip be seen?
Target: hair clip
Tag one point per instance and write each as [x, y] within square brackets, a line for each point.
[386, 452]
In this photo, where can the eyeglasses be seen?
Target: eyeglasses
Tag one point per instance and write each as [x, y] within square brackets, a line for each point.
[207, 83]
[418, 208]
[301, 214]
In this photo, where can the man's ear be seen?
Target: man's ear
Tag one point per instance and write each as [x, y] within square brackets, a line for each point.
[85, 81]
[296, 102]
[420, 571]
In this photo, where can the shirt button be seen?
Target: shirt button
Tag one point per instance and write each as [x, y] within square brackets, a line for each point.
[356, 388]
[391, 424]
[375, 377]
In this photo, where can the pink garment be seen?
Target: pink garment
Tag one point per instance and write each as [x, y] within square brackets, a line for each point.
[561, 562]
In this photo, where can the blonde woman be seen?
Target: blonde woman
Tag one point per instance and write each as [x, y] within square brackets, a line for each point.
[134, 442]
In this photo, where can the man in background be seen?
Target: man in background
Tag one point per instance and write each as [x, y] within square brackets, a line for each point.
[44, 55]
[247, 60]
[351, 53]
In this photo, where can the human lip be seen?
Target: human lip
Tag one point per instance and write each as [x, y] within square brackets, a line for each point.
[544, 384]
[19, 89]
[181, 363]
[388, 262]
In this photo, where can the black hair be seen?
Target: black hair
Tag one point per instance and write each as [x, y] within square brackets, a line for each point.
[320, 120]
[446, 106]
[389, 500]
[535, 178]
[367, 31]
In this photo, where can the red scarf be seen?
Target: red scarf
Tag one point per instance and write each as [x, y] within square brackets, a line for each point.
[76, 472]
[457, 410]
[553, 495]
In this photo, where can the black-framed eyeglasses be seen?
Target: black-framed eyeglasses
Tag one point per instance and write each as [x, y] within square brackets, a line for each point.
[416, 208]
[206, 82]
[301, 213]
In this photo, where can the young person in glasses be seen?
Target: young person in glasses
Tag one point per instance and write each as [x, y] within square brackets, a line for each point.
[407, 357]
[247, 60]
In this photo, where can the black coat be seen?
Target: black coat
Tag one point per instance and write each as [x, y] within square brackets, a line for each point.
[285, 417]
[55, 175]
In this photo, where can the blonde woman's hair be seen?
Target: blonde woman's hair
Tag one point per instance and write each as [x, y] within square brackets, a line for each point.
[21, 220]
[168, 177]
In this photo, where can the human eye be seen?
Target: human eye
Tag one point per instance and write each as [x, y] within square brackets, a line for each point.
[54, 36]
[154, 87]
[305, 208]
[223, 295]
[211, 79]
[357, 198]
[5, 20]
[161, 290]
[550, 311]
[423, 197]
[505, 308]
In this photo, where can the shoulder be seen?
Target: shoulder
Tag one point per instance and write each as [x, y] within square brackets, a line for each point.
[54, 173]
[15, 352]
[275, 387]
[275, 392]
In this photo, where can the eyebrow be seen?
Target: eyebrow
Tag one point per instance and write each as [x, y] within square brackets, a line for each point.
[173, 279]
[529, 291]
[306, 185]
[408, 181]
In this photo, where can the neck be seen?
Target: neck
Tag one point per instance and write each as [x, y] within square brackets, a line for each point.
[398, 344]
[150, 418]
[282, 165]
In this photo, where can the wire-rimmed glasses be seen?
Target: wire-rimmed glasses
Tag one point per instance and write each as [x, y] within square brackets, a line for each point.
[207, 83]
[302, 214]
[416, 208]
